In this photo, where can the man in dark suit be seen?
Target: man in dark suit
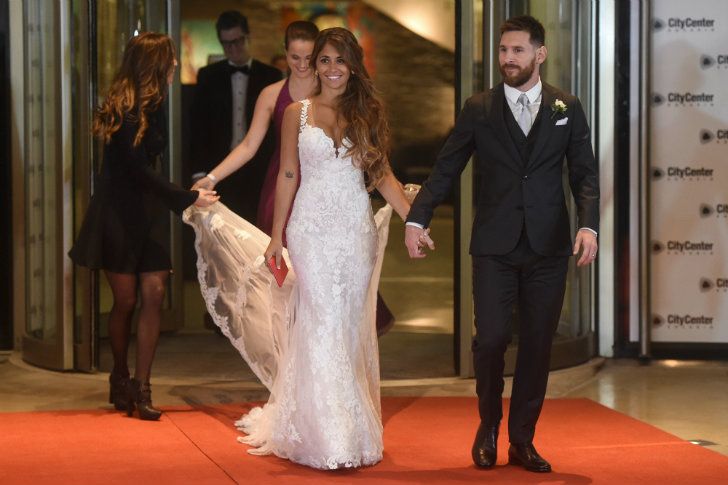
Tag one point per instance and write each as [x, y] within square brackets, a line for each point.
[521, 130]
[222, 111]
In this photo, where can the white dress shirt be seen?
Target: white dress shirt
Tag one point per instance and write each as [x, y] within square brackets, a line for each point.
[239, 83]
[534, 100]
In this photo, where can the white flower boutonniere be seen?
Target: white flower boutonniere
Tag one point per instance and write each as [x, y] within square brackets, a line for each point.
[558, 107]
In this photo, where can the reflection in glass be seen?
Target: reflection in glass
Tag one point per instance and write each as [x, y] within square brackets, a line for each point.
[568, 67]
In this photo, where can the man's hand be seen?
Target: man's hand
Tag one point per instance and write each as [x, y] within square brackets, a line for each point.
[586, 241]
[416, 239]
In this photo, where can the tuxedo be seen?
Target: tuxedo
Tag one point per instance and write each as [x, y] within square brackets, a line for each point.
[521, 237]
[211, 132]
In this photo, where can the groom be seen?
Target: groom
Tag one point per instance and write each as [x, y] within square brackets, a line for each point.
[521, 131]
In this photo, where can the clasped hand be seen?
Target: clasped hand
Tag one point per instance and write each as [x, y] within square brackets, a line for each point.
[203, 183]
[416, 239]
[206, 197]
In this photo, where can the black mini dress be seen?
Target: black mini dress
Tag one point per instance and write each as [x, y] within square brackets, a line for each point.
[126, 226]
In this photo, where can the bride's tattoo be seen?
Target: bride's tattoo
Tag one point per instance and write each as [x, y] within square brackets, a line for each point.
[289, 174]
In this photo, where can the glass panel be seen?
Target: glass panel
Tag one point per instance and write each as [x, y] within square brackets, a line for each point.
[568, 38]
[117, 22]
[6, 175]
[477, 47]
[42, 156]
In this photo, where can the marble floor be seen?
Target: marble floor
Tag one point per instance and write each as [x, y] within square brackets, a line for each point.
[685, 398]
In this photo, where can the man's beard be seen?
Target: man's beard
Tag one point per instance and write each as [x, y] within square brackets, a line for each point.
[519, 78]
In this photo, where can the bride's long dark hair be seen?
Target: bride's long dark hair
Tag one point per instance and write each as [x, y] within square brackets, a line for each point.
[360, 105]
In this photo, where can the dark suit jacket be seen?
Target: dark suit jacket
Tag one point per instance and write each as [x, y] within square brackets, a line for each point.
[211, 132]
[514, 192]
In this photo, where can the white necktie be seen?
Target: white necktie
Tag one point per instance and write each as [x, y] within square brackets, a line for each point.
[524, 119]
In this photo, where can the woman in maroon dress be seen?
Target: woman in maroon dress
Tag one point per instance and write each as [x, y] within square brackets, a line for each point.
[271, 104]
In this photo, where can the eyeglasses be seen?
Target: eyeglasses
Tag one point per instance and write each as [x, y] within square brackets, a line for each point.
[227, 44]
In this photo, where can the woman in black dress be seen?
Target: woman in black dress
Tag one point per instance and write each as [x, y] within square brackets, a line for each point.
[124, 231]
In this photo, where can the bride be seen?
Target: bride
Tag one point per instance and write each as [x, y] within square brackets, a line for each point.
[312, 342]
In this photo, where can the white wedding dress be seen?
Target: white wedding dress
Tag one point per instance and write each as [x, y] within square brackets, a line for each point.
[313, 342]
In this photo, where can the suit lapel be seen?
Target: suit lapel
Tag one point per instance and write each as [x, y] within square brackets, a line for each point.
[498, 123]
[546, 126]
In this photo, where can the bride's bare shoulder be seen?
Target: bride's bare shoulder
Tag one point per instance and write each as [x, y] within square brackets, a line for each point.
[294, 109]
[292, 114]
[296, 106]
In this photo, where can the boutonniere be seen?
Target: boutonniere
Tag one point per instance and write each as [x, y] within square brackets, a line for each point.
[558, 107]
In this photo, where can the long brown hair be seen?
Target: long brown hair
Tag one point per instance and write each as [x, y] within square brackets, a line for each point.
[139, 86]
[360, 105]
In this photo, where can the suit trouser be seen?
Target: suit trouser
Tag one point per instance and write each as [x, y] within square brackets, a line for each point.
[536, 284]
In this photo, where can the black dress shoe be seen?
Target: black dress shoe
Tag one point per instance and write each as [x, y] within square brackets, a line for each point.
[485, 447]
[525, 455]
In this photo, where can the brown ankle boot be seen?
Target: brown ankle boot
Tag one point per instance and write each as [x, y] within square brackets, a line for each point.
[117, 390]
[139, 397]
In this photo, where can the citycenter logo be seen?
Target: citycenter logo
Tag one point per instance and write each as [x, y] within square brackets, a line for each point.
[717, 210]
[717, 284]
[683, 173]
[683, 247]
[719, 62]
[683, 320]
[675, 24]
[709, 136]
[683, 99]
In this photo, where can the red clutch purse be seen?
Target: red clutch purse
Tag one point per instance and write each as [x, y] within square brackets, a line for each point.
[278, 273]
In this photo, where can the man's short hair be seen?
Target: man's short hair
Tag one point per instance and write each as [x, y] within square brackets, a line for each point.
[526, 23]
[231, 19]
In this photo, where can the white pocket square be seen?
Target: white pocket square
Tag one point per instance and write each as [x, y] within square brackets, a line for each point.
[562, 121]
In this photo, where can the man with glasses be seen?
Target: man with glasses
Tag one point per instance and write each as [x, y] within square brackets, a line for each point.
[222, 111]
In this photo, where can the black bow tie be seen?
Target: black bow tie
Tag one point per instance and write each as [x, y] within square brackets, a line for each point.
[244, 69]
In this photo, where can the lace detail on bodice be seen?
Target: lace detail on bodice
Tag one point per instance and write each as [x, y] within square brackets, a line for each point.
[332, 186]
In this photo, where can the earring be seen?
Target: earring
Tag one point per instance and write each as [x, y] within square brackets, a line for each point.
[315, 73]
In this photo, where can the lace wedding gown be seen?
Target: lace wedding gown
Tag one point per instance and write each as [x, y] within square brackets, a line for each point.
[313, 342]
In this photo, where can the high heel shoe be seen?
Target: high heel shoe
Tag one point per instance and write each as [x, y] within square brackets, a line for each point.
[117, 390]
[139, 398]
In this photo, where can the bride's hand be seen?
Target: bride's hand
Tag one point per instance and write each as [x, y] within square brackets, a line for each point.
[275, 248]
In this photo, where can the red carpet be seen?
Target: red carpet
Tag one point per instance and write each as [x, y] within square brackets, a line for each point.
[427, 440]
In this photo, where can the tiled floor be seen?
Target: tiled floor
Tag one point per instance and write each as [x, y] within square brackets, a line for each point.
[688, 399]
